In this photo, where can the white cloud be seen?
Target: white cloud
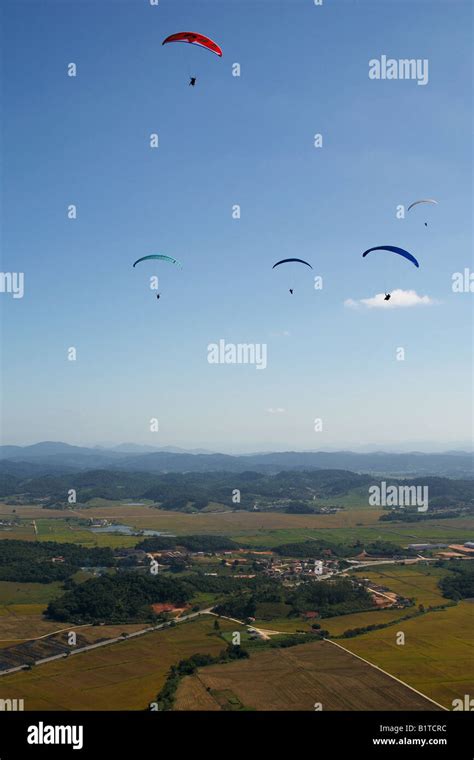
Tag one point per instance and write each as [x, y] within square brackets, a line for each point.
[277, 410]
[399, 299]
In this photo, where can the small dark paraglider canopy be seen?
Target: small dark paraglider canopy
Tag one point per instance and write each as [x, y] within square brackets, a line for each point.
[422, 200]
[285, 261]
[158, 257]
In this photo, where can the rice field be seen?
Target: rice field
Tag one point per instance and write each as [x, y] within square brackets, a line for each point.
[303, 678]
[437, 657]
[123, 676]
[412, 581]
[258, 529]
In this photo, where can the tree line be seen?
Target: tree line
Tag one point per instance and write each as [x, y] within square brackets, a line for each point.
[32, 561]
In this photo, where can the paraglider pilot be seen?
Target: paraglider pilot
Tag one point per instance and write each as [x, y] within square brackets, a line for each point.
[387, 297]
[192, 81]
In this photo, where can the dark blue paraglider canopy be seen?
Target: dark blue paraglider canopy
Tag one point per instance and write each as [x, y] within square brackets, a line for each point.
[394, 249]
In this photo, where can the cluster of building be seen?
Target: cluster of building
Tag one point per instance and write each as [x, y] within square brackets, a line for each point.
[447, 551]
[7, 524]
[167, 556]
[255, 634]
[382, 597]
[245, 566]
[288, 568]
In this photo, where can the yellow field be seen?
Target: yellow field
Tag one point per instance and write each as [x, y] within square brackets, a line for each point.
[25, 622]
[192, 695]
[123, 676]
[412, 581]
[437, 657]
[337, 625]
[418, 581]
[295, 679]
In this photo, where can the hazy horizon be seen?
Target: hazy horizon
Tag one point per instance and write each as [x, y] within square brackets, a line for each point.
[236, 450]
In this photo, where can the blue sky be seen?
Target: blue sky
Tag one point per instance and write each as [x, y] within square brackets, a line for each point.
[244, 140]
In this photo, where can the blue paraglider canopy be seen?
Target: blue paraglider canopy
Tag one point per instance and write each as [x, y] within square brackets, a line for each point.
[394, 249]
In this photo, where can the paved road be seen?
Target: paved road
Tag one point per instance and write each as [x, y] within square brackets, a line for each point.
[98, 644]
[265, 633]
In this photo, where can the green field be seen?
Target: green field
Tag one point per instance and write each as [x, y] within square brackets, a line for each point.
[222, 523]
[64, 531]
[262, 529]
[28, 593]
[21, 610]
[433, 531]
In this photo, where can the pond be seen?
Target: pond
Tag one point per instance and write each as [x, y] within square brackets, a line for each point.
[127, 530]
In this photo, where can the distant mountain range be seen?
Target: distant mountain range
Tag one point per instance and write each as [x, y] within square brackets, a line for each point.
[50, 457]
[137, 448]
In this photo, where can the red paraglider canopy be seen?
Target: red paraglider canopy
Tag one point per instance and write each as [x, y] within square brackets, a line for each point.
[194, 39]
